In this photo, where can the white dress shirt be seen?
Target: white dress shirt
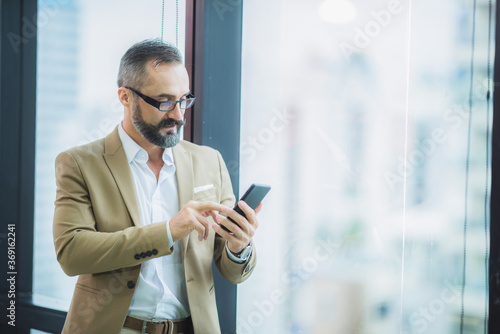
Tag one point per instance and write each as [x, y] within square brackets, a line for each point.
[160, 292]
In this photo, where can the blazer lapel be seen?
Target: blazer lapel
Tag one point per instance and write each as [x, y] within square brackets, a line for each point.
[115, 158]
[185, 182]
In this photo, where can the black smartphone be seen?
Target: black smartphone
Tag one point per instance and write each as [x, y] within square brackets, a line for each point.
[253, 196]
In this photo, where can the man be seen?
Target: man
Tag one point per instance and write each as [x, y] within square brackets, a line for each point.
[135, 211]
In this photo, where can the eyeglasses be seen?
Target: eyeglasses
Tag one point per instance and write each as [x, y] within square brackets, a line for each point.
[166, 105]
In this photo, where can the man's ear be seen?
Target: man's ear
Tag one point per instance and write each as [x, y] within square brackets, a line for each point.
[124, 95]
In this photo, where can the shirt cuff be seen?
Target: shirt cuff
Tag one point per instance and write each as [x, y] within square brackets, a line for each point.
[169, 234]
[243, 257]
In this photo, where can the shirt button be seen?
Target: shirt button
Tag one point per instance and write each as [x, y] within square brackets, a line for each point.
[247, 269]
[130, 284]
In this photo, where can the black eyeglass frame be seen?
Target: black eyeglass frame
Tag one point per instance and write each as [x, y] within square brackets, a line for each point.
[157, 104]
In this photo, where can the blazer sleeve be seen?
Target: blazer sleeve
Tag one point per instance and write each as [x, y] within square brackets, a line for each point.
[230, 270]
[80, 247]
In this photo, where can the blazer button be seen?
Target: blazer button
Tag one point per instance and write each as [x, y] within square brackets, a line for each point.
[137, 256]
[155, 251]
[149, 253]
[130, 284]
[143, 255]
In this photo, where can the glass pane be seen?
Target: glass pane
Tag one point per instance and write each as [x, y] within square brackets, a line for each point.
[362, 131]
[80, 44]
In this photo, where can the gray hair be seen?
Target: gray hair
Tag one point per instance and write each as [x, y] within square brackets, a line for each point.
[132, 70]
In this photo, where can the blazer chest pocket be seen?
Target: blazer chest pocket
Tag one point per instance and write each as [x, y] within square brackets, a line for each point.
[205, 194]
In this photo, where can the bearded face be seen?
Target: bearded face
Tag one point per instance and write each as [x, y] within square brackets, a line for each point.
[152, 133]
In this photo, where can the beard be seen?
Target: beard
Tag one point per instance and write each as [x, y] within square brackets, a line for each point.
[152, 132]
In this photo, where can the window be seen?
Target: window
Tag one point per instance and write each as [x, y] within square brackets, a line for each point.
[357, 114]
[80, 44]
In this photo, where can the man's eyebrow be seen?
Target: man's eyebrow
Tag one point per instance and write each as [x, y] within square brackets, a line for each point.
[170, 96]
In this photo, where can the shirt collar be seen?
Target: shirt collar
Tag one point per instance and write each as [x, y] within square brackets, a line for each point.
[135, 152]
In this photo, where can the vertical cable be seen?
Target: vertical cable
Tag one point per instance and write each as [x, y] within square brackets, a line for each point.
[406, 160]
[176, 23]
[486, 191]
[467, 164]
[162, 17]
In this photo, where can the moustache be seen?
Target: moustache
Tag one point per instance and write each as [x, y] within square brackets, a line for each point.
[166, 123]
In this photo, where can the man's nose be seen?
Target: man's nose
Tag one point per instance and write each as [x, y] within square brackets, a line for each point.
[177, 113]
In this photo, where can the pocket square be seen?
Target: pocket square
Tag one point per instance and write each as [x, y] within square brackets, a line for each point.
[201, 188]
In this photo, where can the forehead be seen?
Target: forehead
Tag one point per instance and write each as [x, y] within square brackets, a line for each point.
[166, 78]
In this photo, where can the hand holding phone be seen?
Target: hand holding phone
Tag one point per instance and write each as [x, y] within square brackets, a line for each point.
[253, 196]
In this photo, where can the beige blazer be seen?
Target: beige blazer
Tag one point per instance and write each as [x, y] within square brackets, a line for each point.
[99, 236]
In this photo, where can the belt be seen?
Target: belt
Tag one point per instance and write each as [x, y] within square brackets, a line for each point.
[183, 326]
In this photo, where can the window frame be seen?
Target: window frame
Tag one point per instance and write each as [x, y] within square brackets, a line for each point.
[221, 81]
[494, 260]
